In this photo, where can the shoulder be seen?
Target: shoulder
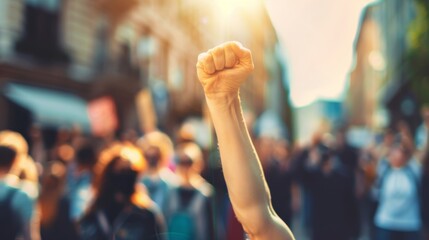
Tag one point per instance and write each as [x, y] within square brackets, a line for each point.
[415, 166]
[18, 196]
[383, 166]
[149, 212]
[206, 189]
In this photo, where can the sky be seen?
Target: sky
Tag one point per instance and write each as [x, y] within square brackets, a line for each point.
[317, 39]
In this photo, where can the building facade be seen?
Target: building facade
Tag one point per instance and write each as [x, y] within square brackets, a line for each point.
[378, 94]
[368, 74]
[134, 52]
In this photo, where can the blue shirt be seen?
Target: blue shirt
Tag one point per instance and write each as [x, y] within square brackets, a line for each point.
[79, 192]
[21, 203]
[399, 198]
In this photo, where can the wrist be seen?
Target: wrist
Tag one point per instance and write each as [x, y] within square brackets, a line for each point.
[221, 99]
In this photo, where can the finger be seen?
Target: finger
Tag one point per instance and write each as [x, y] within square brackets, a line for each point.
[200, 64]
[230, 58]
[243, 54]
[206, 63]
[218, 58]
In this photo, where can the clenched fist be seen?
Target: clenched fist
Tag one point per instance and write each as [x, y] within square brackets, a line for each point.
[221, 70]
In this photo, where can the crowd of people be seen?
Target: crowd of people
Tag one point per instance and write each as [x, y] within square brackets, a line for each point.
[62, 184]
[380, 191]
[78, 187]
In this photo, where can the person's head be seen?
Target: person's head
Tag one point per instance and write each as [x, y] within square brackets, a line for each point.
[162, 142]
[189, 159]
[15, 141]
[153, 156]
[7, 158]
[265, 148]
[116, 175]
[399, 155]
[86, 156]
[64, 153]
[282, 149]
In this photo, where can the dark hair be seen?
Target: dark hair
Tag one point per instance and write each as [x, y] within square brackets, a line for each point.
[86, 155]
[183, 160]
[7, 157]
[153, 156]
[108, 186]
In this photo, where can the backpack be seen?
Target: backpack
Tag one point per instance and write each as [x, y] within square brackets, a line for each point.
[182, 223]
[9, 224]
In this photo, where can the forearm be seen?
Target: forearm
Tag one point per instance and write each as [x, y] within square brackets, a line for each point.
[221, 71]
[243, 173]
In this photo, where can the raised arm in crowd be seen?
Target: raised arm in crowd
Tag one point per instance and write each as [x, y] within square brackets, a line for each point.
[221, 71]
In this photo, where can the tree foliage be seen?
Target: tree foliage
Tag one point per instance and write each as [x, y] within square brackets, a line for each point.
[417, 59]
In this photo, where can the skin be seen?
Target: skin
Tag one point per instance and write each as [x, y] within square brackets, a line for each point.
[221, 71]
[397, 158]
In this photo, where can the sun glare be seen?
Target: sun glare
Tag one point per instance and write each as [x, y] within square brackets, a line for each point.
[231, 5]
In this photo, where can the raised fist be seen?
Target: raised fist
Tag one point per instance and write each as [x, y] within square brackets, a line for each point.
[221, 70]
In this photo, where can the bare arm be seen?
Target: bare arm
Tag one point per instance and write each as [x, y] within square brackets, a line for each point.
[221, 71]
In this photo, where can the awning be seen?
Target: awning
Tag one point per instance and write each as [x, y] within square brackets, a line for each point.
[49, 107]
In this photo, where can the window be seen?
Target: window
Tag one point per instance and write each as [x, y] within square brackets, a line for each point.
[41, 36]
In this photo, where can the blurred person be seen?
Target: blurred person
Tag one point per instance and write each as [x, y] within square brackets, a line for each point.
[330, 187]
[23, 173]
[163, 142]
[275, 159]
[64, 153]
[346, 153]
[16, 207]
[370, 159]
[54, 206]
[380, 150]
[189, 206]
[157, 187]
[349, 158]
[405, 136]
[424, 188]
[398, 212]
[79, 179]
[368, 204]
[299, 163]
[120, 210]
[221, 71]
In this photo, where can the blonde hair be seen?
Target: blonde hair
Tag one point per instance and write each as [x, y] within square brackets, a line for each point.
[192, 150]
[14, 140]
[160, 140]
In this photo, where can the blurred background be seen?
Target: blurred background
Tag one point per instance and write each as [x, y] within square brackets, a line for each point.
[333, 80]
